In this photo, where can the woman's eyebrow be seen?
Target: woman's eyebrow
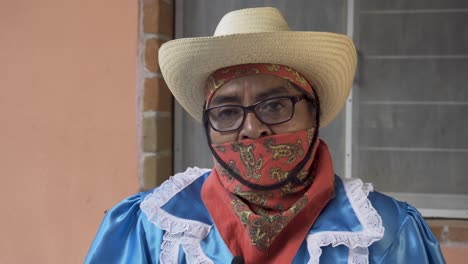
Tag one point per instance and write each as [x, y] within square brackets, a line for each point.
[276, 91]
[223, 99]
[235, 99]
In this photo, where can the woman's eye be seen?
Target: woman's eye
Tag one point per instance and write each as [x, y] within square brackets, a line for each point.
[272, 106]
[228, 113]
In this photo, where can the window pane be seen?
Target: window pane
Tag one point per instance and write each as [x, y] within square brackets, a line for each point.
[411, 99]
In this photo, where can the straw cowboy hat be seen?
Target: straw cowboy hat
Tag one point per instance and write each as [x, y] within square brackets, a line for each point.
[260, 35]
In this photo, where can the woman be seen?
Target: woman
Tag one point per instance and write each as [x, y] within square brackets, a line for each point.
[262, 92]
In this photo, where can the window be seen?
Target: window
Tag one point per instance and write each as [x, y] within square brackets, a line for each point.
[410, 110]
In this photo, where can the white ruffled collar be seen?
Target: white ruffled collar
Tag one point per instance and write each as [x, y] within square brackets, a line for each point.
[189, 233]
[179, 232]
[357, 241]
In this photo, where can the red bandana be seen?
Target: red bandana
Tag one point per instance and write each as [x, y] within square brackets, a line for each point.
[224, 75]
[267, 161]
[262, 234]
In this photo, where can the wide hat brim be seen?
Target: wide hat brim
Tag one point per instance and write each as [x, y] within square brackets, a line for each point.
[327, 60]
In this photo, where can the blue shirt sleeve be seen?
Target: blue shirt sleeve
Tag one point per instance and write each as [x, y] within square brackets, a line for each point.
[126, 236]
[414, 242]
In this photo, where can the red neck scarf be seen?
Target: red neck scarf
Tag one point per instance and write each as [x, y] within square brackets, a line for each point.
[264, 234]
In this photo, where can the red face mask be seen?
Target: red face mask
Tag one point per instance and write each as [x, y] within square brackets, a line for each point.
[263, 169]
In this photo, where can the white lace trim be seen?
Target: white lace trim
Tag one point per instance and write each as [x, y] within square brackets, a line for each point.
[357, 242]
[179, 231]
[358, 255]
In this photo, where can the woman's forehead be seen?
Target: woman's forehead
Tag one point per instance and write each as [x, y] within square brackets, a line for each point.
[255, 87]
[254, 84]
[252, 80]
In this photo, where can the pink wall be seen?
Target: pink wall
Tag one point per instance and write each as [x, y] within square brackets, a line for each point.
[67, 123]
[455, 254]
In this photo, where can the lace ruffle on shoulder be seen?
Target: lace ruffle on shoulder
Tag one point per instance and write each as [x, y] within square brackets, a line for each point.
[357, 242]
[179, 232]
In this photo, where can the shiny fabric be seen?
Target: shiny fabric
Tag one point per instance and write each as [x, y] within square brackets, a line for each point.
[224, 75]
[123, 236]
[260, 236]
[127, 235]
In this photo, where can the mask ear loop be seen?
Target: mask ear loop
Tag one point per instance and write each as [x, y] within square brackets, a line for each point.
[292, 177]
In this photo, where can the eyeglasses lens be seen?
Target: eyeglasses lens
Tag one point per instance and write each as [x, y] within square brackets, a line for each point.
[275, 110]
[271, 111]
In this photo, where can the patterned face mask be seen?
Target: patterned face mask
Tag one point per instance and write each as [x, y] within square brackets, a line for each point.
[263, 169]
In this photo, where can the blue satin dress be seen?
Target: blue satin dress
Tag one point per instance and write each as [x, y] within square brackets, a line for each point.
[171, 225]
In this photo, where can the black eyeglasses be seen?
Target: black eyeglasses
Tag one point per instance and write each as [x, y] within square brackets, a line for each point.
[272, 111]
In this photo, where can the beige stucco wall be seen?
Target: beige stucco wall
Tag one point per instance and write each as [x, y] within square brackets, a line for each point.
[68, 144]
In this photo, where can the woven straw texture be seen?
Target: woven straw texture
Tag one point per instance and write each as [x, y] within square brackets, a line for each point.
[260, 35]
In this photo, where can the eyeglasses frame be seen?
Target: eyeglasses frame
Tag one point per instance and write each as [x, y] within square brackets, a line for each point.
[251, 108]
